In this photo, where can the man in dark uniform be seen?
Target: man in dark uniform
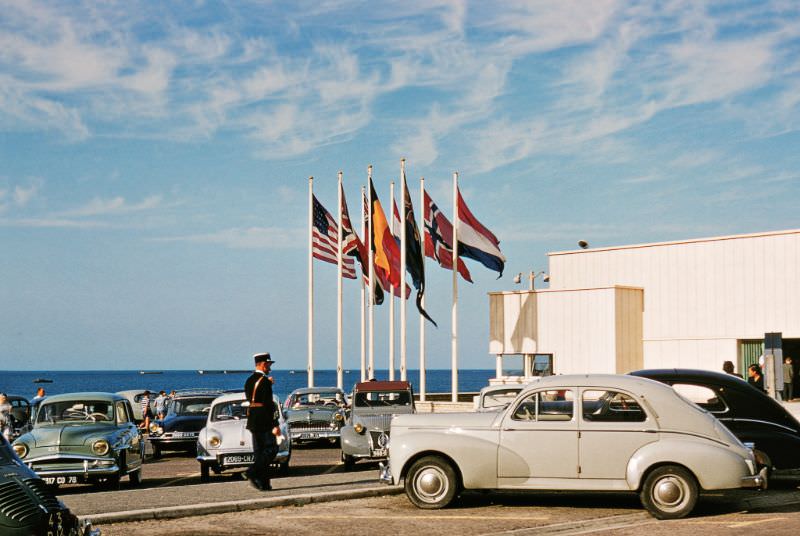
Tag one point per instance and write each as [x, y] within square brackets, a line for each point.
[261, 421]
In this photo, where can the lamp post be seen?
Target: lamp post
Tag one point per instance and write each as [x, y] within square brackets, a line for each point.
[531, 276]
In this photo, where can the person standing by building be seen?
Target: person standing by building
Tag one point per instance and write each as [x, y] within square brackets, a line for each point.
[788, 379]
[727, 367]
[261, 422]
[754, 377]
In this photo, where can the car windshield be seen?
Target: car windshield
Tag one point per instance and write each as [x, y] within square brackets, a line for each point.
[230, 410]
[500, 398]
[323, 398]
[375, 399]
[191, 406]
[76, 411]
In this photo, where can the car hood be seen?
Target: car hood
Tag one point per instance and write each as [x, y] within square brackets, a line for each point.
[65, 434]
[184, 423]
[446, 420]
[311, 414]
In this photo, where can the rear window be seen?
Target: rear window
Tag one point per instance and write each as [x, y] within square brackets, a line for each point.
[377, 399]
[701, 395]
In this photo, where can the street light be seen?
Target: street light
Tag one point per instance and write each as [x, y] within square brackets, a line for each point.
[531, 277]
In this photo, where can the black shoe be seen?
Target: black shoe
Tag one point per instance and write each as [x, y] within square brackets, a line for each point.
[256, 483]
[266, 487]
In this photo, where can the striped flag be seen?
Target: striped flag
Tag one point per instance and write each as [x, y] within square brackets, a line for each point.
[477, 242]
[324, 244]
[439, 238]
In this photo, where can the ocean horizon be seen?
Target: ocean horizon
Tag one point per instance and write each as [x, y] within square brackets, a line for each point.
[26, 382]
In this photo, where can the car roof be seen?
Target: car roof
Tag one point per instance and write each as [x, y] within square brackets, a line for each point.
[504, 387]
[87, 395]
[710, 376]
[238, 396]
[307, 390]
[385, 385]
[620, 381]
[198, 392]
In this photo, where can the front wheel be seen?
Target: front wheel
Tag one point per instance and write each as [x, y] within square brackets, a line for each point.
[205, 475]
[135, 477]
[431, 483]
[669, 492]
[348, 461]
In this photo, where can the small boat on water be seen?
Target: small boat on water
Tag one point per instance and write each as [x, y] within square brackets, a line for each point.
[204, 371]
[42, 380]
[150, 372]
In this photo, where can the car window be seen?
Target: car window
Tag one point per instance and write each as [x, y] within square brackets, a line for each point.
[602, 405]
[76, 411]
[122, 413]
[552, 405]
[703, 396]
[499, 398]
[330, 398]
[190, 406]
[230, 410]
[376, 399]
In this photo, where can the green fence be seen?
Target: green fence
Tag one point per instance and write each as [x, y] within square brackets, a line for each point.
[749, 352]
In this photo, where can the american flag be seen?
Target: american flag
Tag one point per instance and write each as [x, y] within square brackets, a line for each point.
[324, 240]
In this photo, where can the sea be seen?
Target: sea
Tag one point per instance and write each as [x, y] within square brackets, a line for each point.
[26, 382]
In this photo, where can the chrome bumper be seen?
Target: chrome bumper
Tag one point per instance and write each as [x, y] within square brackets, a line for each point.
[758, 481]
[385, 474]
[314, 434]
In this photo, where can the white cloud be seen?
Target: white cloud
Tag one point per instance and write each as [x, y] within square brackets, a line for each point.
[22, 194]
[248, 238]
[114, 206]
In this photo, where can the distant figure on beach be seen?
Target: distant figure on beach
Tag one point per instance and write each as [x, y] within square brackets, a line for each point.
[261, 422]
[788, 378]
[727, 367]
[754, 377]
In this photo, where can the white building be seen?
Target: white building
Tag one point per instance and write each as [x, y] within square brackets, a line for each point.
[689, 303]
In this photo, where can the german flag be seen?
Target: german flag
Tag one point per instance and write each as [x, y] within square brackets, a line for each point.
[384, 247]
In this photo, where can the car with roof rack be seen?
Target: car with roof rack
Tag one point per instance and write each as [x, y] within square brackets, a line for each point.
[365, 434]
[187, 413]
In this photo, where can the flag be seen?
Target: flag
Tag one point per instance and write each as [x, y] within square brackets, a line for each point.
[414, 261]
[352, 246]
[439, 239]
[476, 241]
[324, 239]
[386, 251]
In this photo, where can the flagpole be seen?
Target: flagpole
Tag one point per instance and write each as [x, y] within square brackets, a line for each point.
[371, 367]
[391, 294]
[454, 317]
[339, 261]
[310, 282]
[421, 318]
[363, 300]
[403, 261]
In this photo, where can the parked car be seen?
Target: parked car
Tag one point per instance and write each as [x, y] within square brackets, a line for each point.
[755, 418]
[134, 396]
[28, 505]
[314, 413]
[187, 414]
[496, 397]
[365, 435]
[83, 437]
[625, 434]
[225, 443]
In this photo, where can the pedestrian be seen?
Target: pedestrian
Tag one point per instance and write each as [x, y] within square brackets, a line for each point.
[147, 411]
[261, 422]
[727, 367]
[755, 377]
[788, 379]
[40, 395]
[161, 405]
[6, 418]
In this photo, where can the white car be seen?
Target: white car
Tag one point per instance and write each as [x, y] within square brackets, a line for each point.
[225, 443]
[582, 432]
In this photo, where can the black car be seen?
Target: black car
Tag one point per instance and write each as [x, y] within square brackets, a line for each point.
[752, 416]
[187, 413]
[28, 505]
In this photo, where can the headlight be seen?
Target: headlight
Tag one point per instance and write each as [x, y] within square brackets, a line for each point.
[21, 449]
[358, 427]
[214, 441]
[338, 417]
[155, 428]
[100, 447]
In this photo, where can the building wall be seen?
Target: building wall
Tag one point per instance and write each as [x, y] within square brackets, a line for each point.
[700, 296]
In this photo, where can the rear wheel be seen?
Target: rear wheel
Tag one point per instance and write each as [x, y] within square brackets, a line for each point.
[431, 483]
[110, 483]
[669, 492]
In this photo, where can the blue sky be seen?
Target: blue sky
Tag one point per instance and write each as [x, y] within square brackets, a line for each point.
[154, 156]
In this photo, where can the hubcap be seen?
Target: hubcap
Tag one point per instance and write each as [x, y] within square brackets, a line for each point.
[670, 492]
[430, 484]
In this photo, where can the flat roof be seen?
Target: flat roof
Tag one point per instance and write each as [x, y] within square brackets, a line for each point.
[676, 242]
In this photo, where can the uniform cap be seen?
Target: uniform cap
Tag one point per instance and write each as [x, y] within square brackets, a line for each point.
[261, 358]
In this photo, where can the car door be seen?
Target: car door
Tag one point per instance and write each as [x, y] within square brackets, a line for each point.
[613, 426]
[130, 433]
[538, 440]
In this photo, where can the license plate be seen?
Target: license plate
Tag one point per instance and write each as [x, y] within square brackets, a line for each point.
[60, 480]
[184, 434]
[310, 435]
[380, 452]
[237, 459]
[59, 523]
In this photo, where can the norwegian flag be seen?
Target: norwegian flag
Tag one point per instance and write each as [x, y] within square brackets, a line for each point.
[324, 243]
[439, 239]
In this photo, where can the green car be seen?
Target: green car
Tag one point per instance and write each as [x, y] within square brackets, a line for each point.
[83, 438]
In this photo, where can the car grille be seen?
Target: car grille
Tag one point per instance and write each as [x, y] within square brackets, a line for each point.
[18, 505]
[374, 437]
[309, 426]
[378, 422]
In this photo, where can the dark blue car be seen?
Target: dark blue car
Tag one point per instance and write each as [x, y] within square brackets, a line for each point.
[187, 413]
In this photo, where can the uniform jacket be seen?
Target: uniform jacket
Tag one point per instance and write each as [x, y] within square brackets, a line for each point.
[261, 414]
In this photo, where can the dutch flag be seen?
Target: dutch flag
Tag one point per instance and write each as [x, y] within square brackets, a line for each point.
[476, 241]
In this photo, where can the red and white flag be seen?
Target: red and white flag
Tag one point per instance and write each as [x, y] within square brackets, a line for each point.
[439, 239]
[324, 244]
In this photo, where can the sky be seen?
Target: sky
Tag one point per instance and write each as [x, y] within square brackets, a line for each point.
[154, 157]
